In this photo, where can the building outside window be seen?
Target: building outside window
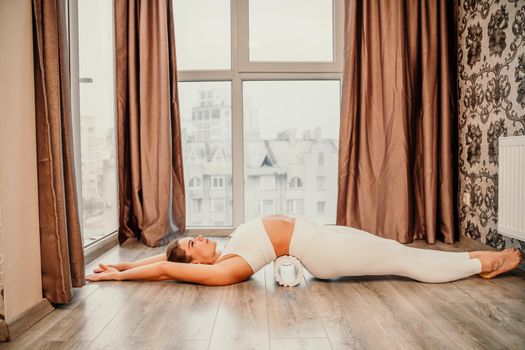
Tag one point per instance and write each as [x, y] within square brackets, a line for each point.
[195, 182]
[267, 182]
[196, 205]
[295, 182]
[266, 206]
[295, 206]
[218, 205]
[320, 182]
[320, 207]
[217, 182]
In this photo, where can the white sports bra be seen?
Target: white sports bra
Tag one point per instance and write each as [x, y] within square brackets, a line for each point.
[251, 242]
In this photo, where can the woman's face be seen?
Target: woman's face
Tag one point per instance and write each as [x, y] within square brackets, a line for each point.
[202, 250]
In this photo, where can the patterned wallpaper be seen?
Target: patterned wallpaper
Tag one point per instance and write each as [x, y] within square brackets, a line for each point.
[491, 91]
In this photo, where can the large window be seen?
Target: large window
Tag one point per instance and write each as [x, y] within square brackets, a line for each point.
[93, 96]
[259, 89]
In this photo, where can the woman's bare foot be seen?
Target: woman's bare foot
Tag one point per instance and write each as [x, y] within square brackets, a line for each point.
[496, 263]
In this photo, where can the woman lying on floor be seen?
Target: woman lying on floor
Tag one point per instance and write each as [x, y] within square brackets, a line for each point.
[325, 251]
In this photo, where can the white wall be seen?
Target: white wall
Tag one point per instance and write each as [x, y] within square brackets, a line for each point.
[18, 173]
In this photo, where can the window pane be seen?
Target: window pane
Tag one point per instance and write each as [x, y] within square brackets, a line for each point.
[291, 30]
[320, 182]
[97, 119]
[202, 33]
[266, 207]
[287, 125]
[205, 109]
[196, 205]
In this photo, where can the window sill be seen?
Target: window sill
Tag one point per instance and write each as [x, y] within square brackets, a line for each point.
[100, 247]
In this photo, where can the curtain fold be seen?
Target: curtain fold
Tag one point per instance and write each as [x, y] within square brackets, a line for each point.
[62, 254]
[151, 182]
[398, 120]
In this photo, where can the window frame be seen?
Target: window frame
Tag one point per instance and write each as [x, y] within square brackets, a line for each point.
[94, 249]
[294, 183]
[243, 47]
[260, 206]
[242, 70]
[295, 205]
[220, 179]
[198, 206]
[194, 179]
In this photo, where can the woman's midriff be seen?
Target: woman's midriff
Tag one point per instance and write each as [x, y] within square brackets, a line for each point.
[279, 229]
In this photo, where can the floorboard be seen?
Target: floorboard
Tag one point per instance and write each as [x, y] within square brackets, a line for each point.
[361, 312]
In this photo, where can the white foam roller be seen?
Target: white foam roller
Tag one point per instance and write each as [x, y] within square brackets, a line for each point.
[288, 271]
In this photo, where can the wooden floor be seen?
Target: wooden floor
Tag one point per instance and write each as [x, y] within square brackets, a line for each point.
[368, 312]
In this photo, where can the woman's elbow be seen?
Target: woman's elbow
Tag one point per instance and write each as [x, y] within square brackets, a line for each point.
[225, 279]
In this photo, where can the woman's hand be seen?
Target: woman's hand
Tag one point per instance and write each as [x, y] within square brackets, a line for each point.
[119, 266]
[106, 273]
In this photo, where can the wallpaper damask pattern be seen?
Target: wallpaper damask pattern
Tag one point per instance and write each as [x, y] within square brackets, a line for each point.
[491, 92]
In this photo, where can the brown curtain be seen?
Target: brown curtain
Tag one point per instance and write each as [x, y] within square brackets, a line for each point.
[151, 182]
[61, 245]
[398, 120]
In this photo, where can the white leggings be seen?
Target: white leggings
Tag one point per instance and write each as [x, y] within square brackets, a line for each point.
[334, 251]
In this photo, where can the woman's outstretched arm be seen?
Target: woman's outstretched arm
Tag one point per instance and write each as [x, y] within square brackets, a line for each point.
[211, 275]
[123, 266]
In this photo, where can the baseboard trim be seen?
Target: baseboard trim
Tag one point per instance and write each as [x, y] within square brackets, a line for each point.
[27, 319]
